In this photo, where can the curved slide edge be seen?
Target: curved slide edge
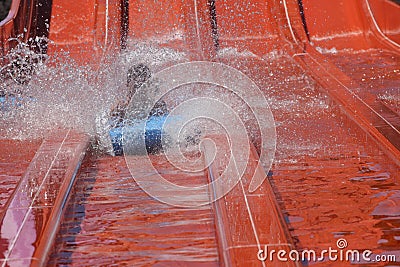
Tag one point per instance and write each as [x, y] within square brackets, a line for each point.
[387, 23]
[87, 32]
[34, 211]
[248, 225]
[350, 24]
[365, 112]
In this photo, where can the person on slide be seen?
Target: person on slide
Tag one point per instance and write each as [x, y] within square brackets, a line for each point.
[136, 77]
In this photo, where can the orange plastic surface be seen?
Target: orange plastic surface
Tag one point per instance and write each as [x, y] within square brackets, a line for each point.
[387, 17]
[344, 24]
[86, 31]
[32, 213]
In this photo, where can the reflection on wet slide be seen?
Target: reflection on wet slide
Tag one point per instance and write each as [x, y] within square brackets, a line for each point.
[362, 48]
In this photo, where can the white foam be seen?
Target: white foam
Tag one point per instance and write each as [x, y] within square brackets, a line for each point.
[234, 52]
[151, 54]
[337, 35]
[322, 50]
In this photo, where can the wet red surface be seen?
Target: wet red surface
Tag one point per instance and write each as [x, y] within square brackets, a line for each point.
[387, 21]
[111, 221]
[246, 221]
[31, 216]
[330, 177]
[344, 24]
[87, 33]
[376, 72]
[15, 157]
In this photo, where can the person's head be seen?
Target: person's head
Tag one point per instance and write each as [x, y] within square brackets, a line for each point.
[137, 75]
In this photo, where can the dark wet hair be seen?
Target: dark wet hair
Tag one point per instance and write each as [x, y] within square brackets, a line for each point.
[137, 75]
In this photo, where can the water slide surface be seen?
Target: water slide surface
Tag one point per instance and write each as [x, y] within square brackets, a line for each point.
[330, 71]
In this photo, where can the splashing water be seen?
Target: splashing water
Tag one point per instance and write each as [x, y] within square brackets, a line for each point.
[391, 97]
[22, 62]
[38, 97]
[63, 94]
